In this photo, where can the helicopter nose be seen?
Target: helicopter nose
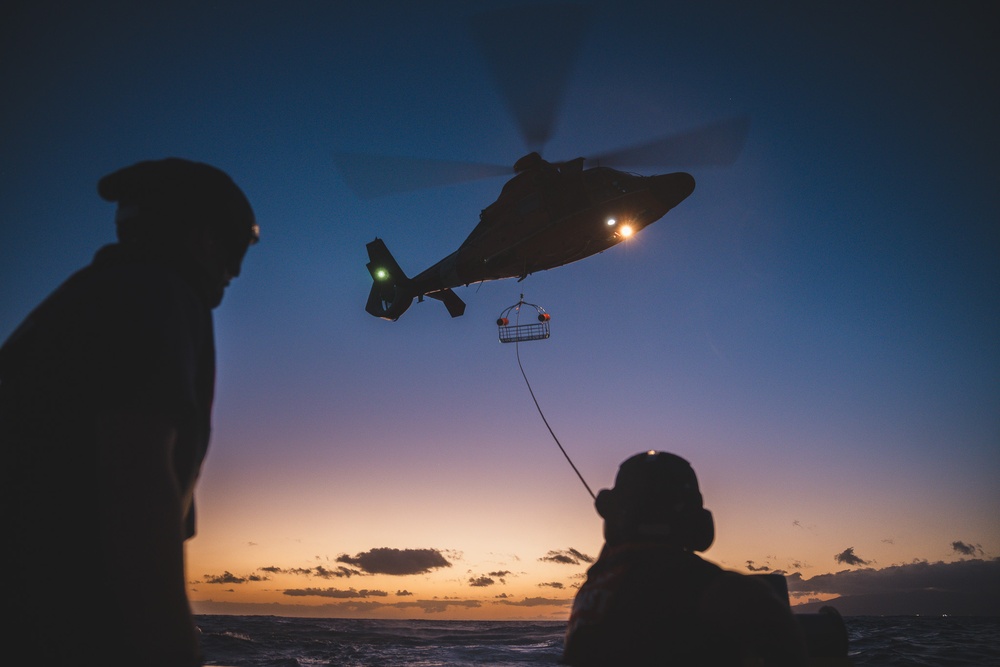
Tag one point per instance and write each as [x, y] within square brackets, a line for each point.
[672, 189]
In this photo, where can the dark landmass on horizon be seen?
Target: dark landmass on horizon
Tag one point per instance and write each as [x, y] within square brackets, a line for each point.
[911, 603]
[968, 587]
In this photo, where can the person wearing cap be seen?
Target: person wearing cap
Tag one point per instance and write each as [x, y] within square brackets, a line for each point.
[649, 599]
[106, 391]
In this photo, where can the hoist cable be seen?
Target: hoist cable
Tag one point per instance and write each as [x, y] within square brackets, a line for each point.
[538, 407]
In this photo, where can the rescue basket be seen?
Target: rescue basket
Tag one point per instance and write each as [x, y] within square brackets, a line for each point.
[519, 333]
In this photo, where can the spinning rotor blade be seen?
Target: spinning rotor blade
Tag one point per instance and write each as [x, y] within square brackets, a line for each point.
[371, 176]
[530, 51]
[714, 145]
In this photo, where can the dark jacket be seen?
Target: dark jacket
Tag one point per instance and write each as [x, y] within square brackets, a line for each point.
[127, 334]
[653, 604]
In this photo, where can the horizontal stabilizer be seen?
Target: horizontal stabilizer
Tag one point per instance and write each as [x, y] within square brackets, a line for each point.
[455, 305]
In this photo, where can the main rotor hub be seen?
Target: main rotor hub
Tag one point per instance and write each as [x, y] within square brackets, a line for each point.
[532, 159]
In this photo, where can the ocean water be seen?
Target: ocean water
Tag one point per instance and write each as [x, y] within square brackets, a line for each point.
[273, 641]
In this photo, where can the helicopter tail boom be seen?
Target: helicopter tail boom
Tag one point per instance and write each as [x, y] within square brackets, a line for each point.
[392, 291]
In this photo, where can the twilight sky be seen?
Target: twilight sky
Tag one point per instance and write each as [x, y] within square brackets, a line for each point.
[815, 328]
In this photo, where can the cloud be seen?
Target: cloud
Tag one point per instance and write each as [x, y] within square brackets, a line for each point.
[334, 593]
[963, 575]
[227, 577]
[341, 571]
[966, 549]
[536, 602]
[848, 557]
[553, 584]
[757, 568]
[438, 606]
[396, 561]
[489, 578]
[357, 601]
[318, 571]
[357, 607]
[403, 593]
[567, 557]
[481, 581]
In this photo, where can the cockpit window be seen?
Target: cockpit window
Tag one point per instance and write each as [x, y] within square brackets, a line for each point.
[605, 182]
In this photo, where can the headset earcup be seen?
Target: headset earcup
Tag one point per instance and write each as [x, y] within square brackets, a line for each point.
[702, 530]
[605, 504]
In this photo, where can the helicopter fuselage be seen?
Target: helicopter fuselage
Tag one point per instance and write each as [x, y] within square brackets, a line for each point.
[550, 215]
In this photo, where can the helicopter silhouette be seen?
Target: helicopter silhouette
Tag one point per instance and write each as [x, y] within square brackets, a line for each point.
[550, 213]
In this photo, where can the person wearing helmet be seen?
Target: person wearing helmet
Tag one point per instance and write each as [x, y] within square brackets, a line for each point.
[650, 600]
[106, 391]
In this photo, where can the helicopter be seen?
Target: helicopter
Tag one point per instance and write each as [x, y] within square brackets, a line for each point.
[548, 214]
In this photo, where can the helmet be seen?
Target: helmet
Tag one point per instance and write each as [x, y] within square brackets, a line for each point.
[656, 497]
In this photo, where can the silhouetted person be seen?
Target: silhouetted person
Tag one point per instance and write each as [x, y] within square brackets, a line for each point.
[105, 399]
[649, 600]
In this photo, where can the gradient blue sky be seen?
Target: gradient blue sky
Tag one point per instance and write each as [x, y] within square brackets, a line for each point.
[815, 328]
